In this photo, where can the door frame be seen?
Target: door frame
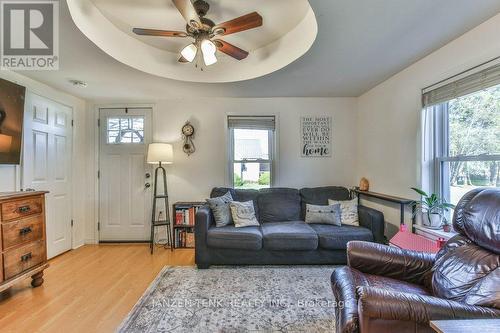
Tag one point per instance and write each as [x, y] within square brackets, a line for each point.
[95, 126]
[28, 103]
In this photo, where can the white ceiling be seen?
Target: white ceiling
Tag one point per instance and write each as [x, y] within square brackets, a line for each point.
[360, 43]
[281, 40]
[161, 14]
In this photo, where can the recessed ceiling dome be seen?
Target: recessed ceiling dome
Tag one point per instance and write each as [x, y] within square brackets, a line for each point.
[288, 32]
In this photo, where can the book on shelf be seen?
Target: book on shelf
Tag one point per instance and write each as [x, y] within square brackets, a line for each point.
[185, 215]
[178, 217]
[189, 239]
[184, 238]
[192, 215]
[185, 218]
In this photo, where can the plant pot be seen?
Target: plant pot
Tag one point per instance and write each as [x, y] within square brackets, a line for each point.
[432, 220]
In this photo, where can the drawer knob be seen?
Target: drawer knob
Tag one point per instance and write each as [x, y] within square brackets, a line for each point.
[25, 231]
[24, 209]
[26, 257]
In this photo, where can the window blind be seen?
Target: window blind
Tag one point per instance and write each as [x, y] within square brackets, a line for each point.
[482, 79]
[252, 122]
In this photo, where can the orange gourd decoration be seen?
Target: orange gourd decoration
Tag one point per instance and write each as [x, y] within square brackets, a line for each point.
[364, 184]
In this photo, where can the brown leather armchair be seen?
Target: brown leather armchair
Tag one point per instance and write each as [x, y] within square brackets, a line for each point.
[387, 289]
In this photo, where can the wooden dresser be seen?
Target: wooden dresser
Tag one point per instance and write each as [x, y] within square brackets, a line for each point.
[23, 241]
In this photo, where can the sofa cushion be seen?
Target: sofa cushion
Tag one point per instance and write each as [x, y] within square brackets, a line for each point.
[332, 237]
[348, 211]
[230, 237]
[323, 214]
[279, 204]
[465, 272]
[243, 214]
[238, 195]
[320, 196]
[220, 209]
[289, 235]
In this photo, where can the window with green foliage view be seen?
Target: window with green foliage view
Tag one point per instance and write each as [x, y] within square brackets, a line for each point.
[474, 131]
[467, 141]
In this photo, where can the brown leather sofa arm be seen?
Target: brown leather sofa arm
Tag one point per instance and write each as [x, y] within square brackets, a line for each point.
[390, 305]
[372, 258]
[344, 281]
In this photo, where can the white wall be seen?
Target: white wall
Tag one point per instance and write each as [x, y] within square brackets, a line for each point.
[375, 135]
[388, 150]
[192, 177]
[10, 176]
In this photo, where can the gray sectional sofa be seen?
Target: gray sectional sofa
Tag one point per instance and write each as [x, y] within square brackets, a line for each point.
[283, 238]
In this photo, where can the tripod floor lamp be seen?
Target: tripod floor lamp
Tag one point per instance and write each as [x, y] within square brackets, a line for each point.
[160, 153]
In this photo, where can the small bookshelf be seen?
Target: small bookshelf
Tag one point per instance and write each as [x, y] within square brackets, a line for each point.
[184, 215]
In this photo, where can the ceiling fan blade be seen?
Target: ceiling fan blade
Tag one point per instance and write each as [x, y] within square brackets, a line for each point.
[230, 49]
[162, 33]
[187, 10]
[242, 23]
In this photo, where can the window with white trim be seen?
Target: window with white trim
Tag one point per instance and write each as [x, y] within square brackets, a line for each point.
[125, 129]
[251, 151]
[461, 135]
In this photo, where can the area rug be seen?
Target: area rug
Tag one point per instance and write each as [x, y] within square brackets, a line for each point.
[236, 299]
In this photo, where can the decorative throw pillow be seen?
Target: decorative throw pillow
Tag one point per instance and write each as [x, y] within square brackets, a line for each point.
[220, 208]
[323, 214]
[348, 211]
[243, 214]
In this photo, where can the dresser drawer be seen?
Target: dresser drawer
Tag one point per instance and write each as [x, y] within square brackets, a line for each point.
[18, 260]
[12, 210]
[22, 231]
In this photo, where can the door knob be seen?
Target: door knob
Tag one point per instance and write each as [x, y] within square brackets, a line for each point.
[147, 185]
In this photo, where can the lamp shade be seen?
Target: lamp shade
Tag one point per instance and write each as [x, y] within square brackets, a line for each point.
[5, 143]
[160, 152]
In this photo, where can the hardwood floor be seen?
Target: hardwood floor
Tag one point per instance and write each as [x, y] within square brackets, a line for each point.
[90, 289]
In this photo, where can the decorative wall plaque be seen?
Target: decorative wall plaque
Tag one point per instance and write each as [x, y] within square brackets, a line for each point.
[316, 136]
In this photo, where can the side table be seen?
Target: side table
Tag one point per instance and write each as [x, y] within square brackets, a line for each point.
[433, 234]
[410, 241]
[466, 325]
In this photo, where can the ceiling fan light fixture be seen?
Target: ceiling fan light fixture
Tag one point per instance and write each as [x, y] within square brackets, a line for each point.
[189, 52]
[208, 49]
[202, 29]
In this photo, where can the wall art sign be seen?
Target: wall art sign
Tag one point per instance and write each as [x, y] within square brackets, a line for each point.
[316, 136]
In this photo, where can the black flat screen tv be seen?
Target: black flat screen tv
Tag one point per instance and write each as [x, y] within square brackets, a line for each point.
[11, 121]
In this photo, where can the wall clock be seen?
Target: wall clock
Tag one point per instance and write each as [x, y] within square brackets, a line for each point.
[188, 135]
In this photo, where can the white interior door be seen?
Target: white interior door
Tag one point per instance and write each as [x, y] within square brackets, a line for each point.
[125, 199]
[47, 156]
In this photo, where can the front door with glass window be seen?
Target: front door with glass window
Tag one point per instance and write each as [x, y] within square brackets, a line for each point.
[124, 175]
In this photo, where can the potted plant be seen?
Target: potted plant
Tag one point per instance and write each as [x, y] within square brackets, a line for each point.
[432, 208]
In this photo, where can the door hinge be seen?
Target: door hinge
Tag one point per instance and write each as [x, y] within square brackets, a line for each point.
[98, 174]
[72, 123]
[71, 223]
[98, 226]
[98, 122]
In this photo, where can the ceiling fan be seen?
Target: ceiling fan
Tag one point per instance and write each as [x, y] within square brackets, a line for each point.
[205, 32]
